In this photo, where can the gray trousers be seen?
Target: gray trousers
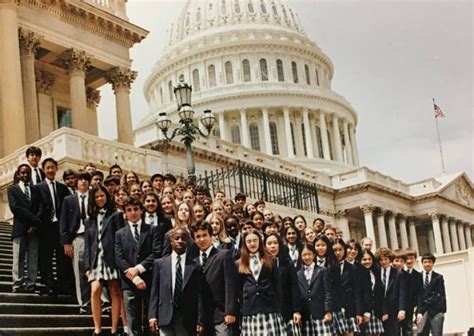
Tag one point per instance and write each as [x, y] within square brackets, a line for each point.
[25, 251]
[176, 328]
[222, 329]
[135, 307]
[83, 289]
[435, 325]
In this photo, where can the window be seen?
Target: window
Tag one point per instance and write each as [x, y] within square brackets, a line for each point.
[250, 7]
[223, 8]
[262, 7]
[330, 144]
[181, 78]
[254, 138]
[246, 70]
[237, 7]
[317, 77]
[229, 75]
[263, 69]
[319, 142]
[161, 96]
[235, 134]
[211, 73]
[274, 138]
[64, 117]
[293, 138]
[196, 81]
[275, 12]
[281, 74]
[170, 91]
[294, 69]
[303, 134]
[306, 71]
[188, 20]
[198, 15]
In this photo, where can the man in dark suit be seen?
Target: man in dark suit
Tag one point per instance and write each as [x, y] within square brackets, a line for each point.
[136, 246]
[72, 227]
[24, 202]
[220, 286]
[176, 300]
[33, 157]
[431, 299]
[52, 194]
[395, 303]
[414, 283]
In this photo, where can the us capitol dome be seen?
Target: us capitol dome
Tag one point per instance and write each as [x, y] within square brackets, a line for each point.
[268, 84]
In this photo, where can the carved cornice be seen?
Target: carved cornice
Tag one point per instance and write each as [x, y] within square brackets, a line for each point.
[368, 208]
[93, 97]
[74, 60]
[29, 42]
[121, 78]
[434, 216]
[44, 81]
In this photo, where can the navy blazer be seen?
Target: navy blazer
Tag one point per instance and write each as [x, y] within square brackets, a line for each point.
[374, 298]
[288, 288]
[414, 284]
[220, 286]
[161, 297]
[25, 212]
[70, 219]
[107, 237]
[353, 285]
[128, 255]
[317, 296]
[395, 295]
[433, 298]
[46, 211]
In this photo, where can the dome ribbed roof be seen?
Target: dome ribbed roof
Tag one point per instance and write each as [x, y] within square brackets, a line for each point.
[198, 16]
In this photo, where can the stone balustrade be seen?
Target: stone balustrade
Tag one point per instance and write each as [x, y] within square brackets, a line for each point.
[116, 7]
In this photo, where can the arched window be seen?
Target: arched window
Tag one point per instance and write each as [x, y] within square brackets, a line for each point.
[317, 77]
[246, 70]
[306, 72]
[329, 144]
[262, 7]
[319, 142]
[254, 138]
[198, 15]
[281, 73]
[170, 90]
[294, 69]
[161, 96]
[211, 73]
[235, 134]
[303, 134]
[250, 7]
[274, 138]
[229, 75]
[237, 7]
[196, 81]
[293, 138]
[181, 78]
[275, 11]
[263, 69]
[188, 20]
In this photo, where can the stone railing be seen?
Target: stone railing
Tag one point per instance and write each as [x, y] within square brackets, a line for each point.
[363, 175]
[115, 7]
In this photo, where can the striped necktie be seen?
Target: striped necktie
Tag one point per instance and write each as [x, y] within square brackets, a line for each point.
[136, 235]
[384, 279]
[178, 284]
[27, 192]
[204, 259]
[427, 281]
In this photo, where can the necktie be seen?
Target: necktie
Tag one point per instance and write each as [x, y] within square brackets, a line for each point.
[151, 219]
[83, 208]
[204, 259]
[427, 281]
[55, 196]
[307, 273]
[320, 262]
[136, 235]
[384, 278]
[38, 176]
[178, 285]
[256, 266]
[342, 267]
[27, 192]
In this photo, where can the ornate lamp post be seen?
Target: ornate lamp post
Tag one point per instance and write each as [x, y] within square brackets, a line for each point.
[187, 130]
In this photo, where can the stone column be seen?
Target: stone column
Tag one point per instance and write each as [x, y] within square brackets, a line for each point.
[76, 62]
[324, 136]
[454, 234]
[462, 239]
[11, 91]
[445, 231]
[266, 131]
[355, 153]
[438, 241]
[392, 230]
[343, 224]
[336, 134]
[222, 130]
[93, 100]
[348, 143]
[244, 128]
[47, 115]
[121, 79]
[402, 224]
[368, 210]
[29, 44]
[467, 233]
[381, 226]
[307, 134]
[431, 239]
[413, 236]
[289, 138]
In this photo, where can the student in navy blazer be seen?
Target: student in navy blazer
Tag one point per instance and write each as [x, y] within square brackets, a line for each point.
[168, 312]
[136, 246]
[24, 202]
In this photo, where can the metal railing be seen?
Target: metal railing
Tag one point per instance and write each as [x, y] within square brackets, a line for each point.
[264, 184]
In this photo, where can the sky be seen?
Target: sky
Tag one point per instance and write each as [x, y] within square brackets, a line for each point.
[390, 59]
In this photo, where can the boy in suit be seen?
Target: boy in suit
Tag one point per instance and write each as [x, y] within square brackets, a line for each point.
[220, 285]
[24, 202]
[176, 300]
[33, 157]
[72, 228]
[431, 299]
[414, 282]
[136, 246]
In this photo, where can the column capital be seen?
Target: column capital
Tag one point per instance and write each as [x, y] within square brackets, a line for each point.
[121, 78]
[411, 219]
[264, 108]
[44, 81]
[368, 208]
[434, 215]
[29, 42]
[341, 213]
[401, 216]
[93, 97]
[242, 110]
[74, 60]
[451, 219]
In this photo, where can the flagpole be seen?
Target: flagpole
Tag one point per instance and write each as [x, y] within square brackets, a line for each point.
[439, 142]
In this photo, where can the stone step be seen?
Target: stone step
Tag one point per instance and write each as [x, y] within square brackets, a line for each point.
[39, 308]
[9, 297]
[66, 331]
[28, 321]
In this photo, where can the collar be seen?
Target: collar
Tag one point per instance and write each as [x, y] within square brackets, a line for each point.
[309, 267]
[23, 184]
[208, 251]
[82, 194]
[351, 262]
[320, 260]
[102, 211]
[48, 180]
[175, 255]
[132, 223]
[256, 255]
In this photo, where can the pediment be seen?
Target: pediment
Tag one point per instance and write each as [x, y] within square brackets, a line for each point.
[461, 191]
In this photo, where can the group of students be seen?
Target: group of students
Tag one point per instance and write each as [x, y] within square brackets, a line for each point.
[168, 258]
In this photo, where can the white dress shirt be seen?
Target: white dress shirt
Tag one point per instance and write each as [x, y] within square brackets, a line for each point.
[430, 273]
[34, 172]
[255, 265]
[23, 187]
[51, 191]
[174, 259]
[86, 201]
[387, 272]
[308, 271]
[207, 253]
[151, 219]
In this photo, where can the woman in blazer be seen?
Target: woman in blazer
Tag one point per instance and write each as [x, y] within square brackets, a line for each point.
[374, 296]
[220, 239]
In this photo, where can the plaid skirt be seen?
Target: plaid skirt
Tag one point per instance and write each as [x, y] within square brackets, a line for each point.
[314, 327]
[352, 325]
[102, 271]
[339, 323]
[292, 329]
[374, 326]
[263, 325]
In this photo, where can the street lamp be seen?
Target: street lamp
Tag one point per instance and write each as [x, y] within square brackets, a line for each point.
[187, 130]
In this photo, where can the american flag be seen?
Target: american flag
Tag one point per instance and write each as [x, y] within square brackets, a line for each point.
[438, 112]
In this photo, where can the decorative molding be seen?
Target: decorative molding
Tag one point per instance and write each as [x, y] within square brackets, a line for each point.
[74, 60]
[121, 78]
[367, 208]
[434, 216]
[93, 97]
[44, 81]
[29, 42]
